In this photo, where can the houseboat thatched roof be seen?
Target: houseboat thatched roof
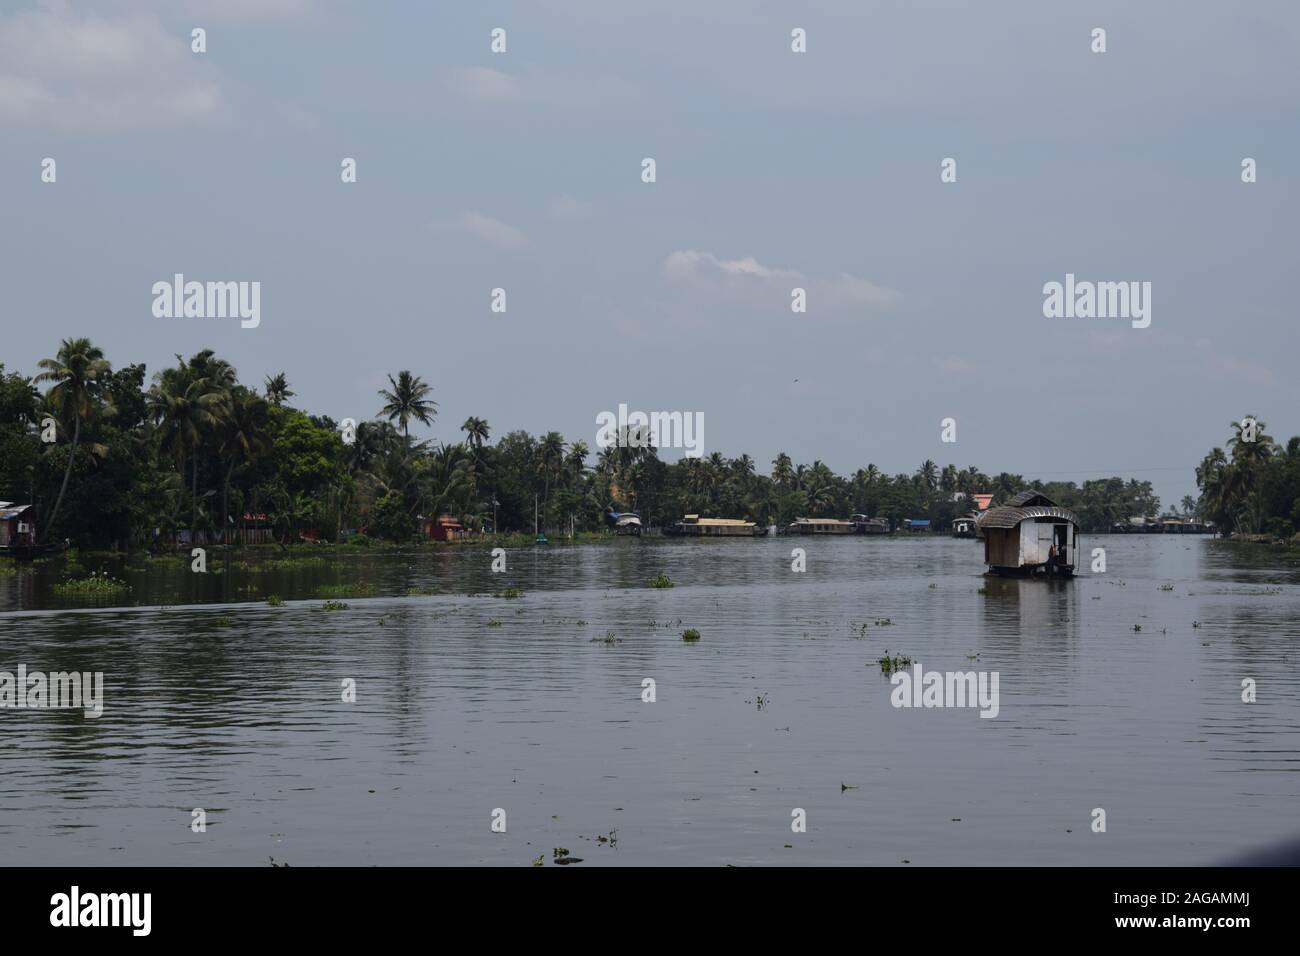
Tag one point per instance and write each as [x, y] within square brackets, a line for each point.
[1026, 498]
[1026, 504]
[1009, 517]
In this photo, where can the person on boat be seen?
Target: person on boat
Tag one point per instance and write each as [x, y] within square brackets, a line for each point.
[1051, 560]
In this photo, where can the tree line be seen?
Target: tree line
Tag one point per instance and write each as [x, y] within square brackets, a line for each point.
[192, 450]
[1254, 487]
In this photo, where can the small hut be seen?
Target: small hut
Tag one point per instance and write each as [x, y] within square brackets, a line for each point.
[444, 528]
[1019, 536]
[17, 527]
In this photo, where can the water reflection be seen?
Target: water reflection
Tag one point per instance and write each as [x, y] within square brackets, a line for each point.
[1120, 690]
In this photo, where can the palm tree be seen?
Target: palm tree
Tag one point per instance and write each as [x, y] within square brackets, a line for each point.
[476, 432]
[243, 437]
[575, 465]
[408, 399]
[447, 477]
[928, 475]
[551, 452]
[1250, 459]
[782, 469]
[186, 407]
[76, 372]
[277, 389]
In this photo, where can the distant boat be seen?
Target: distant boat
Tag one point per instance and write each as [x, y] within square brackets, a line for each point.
[864, 525]
[693, 526]
[964, 527]
[26, 552]
[624, 522]
[823, 526]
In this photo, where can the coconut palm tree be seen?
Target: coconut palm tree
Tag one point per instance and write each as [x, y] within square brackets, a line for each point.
[447, 478]
[1250, 459]
[277, 389]
[575, 464]
[243, 431]
[186, 408]
[551, 452]
[782, 469]
[76, 372]
[476, 432]
[407, 399]
[927, 477]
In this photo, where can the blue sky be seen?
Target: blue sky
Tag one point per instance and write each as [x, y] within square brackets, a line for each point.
[774, 169]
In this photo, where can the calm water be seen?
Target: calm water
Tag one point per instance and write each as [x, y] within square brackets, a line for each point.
[456, 716]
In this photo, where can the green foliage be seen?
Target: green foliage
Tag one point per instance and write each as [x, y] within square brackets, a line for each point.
[359, 590]
[143, 460]
[96, 585]
[890, 664]
[391, 518]
[690, 634]
[662, 581]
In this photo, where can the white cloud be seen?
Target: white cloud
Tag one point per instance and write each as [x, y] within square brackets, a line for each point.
[567, 209]
[85, 73]
[480, 84]
[748, 279]
[203, 13]
[486, 229]
[484, 85]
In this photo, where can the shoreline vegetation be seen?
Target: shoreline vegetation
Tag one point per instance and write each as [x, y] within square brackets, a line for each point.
[194, 457]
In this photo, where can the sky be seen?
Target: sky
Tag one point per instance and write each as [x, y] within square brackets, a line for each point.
[820, 170]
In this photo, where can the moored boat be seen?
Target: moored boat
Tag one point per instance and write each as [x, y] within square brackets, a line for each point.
[624, 522]
[864, 525]
[694, 526]
[822, 526]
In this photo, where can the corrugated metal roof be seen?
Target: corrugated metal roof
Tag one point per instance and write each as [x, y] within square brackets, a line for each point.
[13, 512]
[1008, 517]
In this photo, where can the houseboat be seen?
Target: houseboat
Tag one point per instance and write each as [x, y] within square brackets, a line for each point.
[18, 532]
[822, 526]
[864, 525]
[693, 526]
[1019, 537]
[964, 527]
[624, 522]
